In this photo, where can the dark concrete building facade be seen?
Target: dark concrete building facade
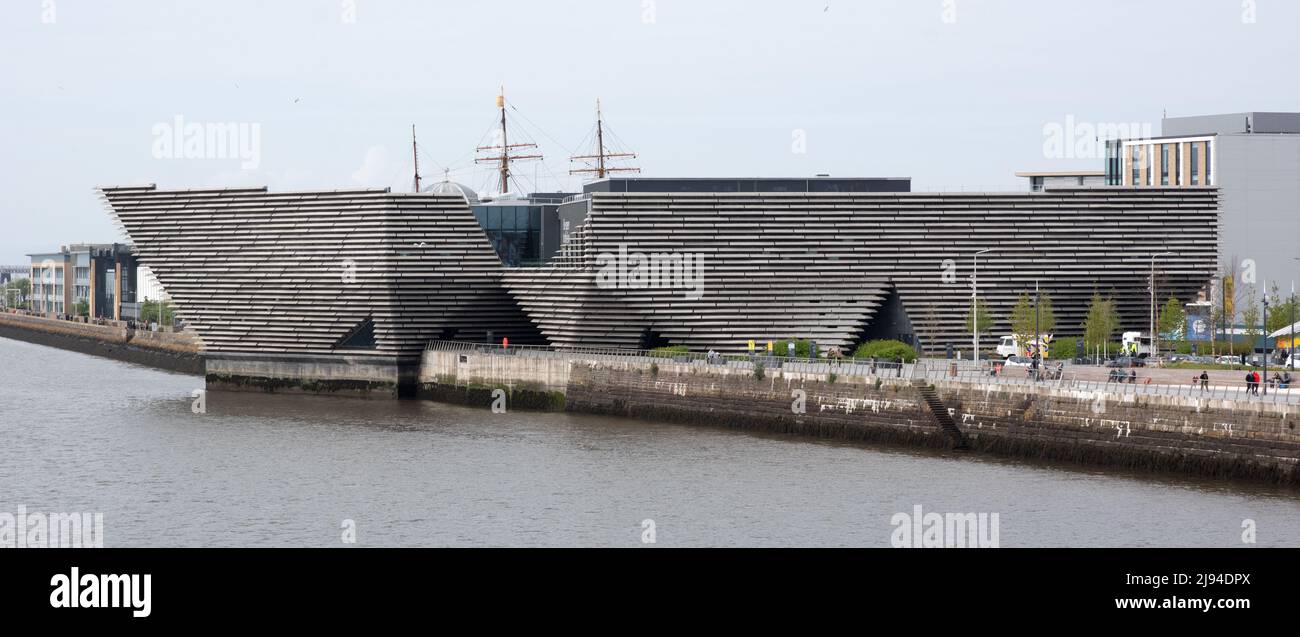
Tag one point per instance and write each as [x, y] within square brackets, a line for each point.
[350, 285]
[838, 267]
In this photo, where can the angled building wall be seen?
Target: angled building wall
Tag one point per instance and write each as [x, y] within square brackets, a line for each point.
[310, 274]
[818, 265]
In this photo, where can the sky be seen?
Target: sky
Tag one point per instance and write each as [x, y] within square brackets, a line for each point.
[322, 94]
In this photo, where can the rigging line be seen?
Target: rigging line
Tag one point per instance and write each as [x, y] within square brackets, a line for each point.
[622, 146]
[529, 130]
[589, 138]
[539, 128]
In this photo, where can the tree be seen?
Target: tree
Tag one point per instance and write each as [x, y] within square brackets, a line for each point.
[1280, 310]
[149, 312]
[17, 292]
[1100, 323]
[1025, 323]
[1172, 318]
[1250, 316]
[1227, 305]
[978, 319]
[81, 308]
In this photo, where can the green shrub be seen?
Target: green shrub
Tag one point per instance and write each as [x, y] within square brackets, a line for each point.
[803, 348]
[654, 369]
[669, 352]
[886, 350]
[1062, 348]
[830, 378]
[758, 371]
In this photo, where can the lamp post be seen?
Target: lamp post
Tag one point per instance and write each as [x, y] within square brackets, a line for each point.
[1291, 356]
[1038, 345]
[1155, 340]
[974, 303]
[1263, 380]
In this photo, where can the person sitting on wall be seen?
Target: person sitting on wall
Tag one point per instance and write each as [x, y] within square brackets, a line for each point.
[1132, 377]
[1286, 380]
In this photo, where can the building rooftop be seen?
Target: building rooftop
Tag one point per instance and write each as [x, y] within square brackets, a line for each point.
[750, 184]
[1061, 173]
[1254, 122]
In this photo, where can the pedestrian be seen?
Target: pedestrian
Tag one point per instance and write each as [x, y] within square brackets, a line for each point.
[1132, 377]
[1205, 380]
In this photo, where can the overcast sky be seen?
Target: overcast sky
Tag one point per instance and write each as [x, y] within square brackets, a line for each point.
[952, 93]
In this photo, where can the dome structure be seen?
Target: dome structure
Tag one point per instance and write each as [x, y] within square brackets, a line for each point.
[448, 187]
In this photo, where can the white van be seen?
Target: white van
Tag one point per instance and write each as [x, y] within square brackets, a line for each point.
[1136, 344]
[1008, 347]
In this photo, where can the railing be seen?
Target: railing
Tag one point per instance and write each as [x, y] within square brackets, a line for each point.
[840, 367]
[951, 371]
[1066, 379]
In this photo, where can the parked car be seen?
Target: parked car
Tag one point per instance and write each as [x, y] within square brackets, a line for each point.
[1018, 361]
[1126, 361]
[1228, 360]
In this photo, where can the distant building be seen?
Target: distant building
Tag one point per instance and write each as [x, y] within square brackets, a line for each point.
[1068, 179]
[1253, 158]
[147, 286]
[101, 275]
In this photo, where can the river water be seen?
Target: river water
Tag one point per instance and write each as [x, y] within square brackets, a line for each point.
[88, 434]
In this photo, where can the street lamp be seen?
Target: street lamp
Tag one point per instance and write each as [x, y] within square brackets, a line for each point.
[974, 303]
[1263, 380]
[1291, 356]
[1155, 340]
[1038, 343]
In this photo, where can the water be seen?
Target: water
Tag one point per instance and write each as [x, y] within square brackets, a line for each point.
[82, 433]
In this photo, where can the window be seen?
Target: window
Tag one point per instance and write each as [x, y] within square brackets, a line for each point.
[1137, 166]
[1209, 163]
[1164, 164]
[1178, 164]
[1194, 158]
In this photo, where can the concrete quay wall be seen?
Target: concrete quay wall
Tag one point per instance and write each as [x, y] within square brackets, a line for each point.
[1209, 437]
[174, 351]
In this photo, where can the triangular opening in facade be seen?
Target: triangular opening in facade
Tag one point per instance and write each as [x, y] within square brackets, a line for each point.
[361, 336]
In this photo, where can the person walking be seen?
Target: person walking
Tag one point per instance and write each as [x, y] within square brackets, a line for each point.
[1205, 380]
[1250, 383]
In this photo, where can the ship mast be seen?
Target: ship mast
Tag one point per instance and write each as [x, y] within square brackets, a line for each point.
[601, 169]
[505, 157]
[415, 154]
